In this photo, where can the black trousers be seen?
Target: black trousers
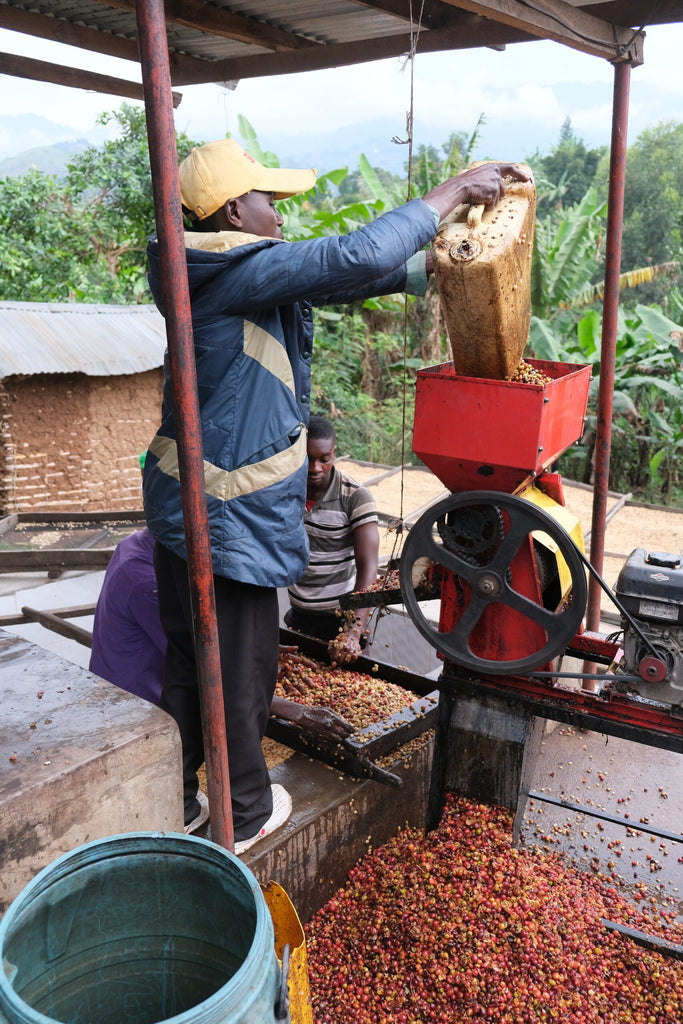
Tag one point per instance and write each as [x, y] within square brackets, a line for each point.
[248, 634]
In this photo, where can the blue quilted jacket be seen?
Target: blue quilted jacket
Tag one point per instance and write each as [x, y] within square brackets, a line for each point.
[253, 341]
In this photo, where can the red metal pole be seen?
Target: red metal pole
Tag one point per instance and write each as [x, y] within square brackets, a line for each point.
[164, 163]
[603, 442]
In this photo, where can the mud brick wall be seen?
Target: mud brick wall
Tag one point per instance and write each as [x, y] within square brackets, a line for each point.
[71, 443]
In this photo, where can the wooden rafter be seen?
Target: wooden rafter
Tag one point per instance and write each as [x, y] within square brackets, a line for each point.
[219, 22]
[62, 31]
[433, 15]
[59, 74]
[47, 27]
[572, 26]
[360, 51]
[633, 12]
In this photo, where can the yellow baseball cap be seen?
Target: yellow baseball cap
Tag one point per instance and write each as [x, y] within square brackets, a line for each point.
[221, 170]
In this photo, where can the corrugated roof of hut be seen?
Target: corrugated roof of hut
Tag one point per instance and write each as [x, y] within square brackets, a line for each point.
[98, 340]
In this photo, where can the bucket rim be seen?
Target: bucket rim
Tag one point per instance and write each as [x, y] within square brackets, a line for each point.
[210, 1010]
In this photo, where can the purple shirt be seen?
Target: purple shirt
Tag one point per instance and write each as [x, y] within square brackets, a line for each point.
[128, 643]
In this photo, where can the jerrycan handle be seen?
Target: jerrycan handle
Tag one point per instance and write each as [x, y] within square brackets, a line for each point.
[474, 216]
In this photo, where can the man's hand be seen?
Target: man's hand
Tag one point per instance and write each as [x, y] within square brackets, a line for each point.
[344, 649]
[477, 186]
[289, 657]
[325, 723]
[319, 721]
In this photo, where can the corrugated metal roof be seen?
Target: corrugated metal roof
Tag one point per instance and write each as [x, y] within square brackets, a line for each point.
[225, 40]
[98, 340]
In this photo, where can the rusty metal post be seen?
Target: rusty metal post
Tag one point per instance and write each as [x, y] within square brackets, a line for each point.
[603, 440]
[164, 163]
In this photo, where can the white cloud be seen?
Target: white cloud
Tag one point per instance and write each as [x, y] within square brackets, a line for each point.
[535, 85]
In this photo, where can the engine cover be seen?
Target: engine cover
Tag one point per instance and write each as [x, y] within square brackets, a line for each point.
[650, 587]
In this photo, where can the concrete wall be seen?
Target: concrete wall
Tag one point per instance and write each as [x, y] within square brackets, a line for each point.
[69, 442]
[80, 760]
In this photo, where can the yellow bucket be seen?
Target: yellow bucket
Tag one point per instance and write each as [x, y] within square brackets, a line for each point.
[289, 931]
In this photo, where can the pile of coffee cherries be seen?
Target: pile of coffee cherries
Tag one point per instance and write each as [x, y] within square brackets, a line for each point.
[528, 374]
[359, 698]
[461, 927]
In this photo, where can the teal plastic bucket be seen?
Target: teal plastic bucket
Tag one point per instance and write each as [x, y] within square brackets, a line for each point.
[138, 929]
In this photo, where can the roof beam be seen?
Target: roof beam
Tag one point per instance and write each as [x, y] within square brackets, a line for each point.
[558, 20]
[218, 22]
[43, 71]
[433, 14]
[62, 31]
[631, 11]
[362, 51]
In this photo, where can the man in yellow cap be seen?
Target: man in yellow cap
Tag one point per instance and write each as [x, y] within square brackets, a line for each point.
[252, 295]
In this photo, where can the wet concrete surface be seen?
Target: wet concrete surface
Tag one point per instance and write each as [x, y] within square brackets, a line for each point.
[640, 785]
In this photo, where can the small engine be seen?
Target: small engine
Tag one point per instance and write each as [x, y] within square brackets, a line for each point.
[650, 588]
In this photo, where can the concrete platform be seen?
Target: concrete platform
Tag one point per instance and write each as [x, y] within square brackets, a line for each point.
[81, 760]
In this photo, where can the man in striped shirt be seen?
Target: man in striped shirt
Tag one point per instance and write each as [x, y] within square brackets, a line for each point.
[341, 523]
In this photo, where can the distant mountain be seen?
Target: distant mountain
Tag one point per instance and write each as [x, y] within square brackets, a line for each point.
[29, 140]
[49, 159]
[343, 147]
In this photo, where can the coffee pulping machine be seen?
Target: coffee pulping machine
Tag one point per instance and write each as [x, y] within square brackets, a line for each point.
[508, 564]
[502, 553]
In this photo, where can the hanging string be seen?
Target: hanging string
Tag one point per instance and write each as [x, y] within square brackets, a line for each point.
[415, 30]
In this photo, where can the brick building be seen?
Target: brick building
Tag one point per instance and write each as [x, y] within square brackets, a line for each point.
[80, 395]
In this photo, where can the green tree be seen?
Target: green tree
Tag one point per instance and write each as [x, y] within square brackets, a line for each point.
[567, 254]
[84, 237]
[570, 167]
[653, 202]
[43, 243]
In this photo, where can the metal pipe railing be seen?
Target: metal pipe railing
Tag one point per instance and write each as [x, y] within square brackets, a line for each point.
[603, 442]
[156, 79]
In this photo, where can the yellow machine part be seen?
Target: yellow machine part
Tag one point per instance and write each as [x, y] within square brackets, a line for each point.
[289, 931]
[564, 518]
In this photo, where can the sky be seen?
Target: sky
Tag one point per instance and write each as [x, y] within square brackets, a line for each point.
[525, 93]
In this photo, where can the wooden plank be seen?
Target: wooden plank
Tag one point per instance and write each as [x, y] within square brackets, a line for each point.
[63, 31]
[8, 523]
[50, 559]
[96, 40]
[67, 519]
[571, 26]
[430, 14]
[72, 612]
[75, 78]
[638, 12]
[57, 625]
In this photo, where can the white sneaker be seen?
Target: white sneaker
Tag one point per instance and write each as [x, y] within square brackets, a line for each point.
[202, 816]
[282, 808]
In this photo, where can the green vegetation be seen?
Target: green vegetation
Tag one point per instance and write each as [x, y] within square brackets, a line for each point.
[82, 237]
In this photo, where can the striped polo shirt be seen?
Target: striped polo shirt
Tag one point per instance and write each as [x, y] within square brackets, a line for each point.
[331, 570]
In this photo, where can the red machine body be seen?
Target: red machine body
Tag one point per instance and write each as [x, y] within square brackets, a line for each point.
[497, 435]
[499, 628]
